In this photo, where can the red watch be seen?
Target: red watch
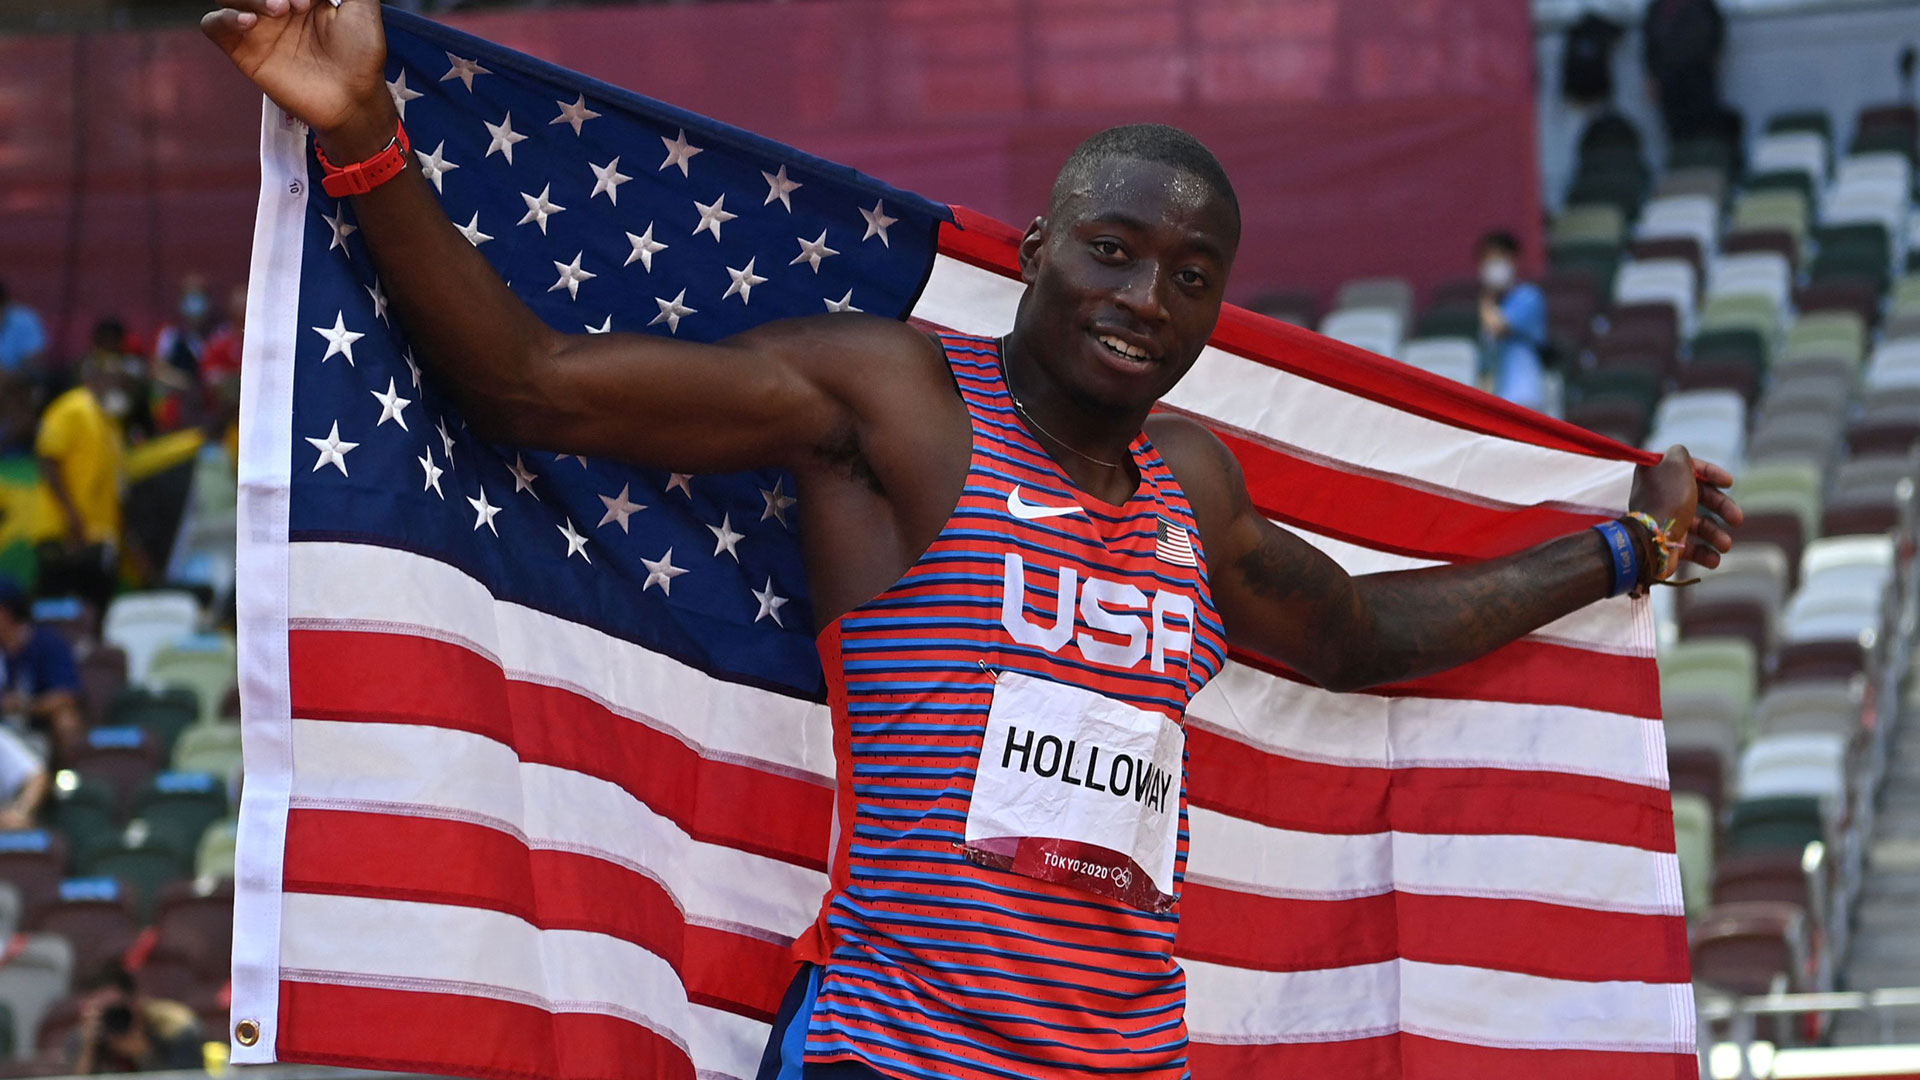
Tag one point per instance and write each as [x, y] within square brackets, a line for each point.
[363, 176]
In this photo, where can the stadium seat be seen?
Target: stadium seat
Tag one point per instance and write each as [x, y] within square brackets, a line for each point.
[1722, 669]
[70, 617]
[210, 748]
[1774, 876]
[1713, 153]
[1842, 293]
[1788, 209]
[1764, 273]
[1814, 120]
[1451, 322]
[84, 809]
[1752, 948]
[1852, 563]
[1590, 223]
[1623, 189]
[1895, 366]
[34, 862]
[1707, 183]
[123, 757]
[1684, 248]
[1455, 358]
[1806, 389]
[92, 914]
[1694, 765]
[162, 714]
[1297, 308]
[194, 921]
[1712, 423]
[143, 623]
[1815, 705]
[214, 859]
[1376, 330]
[1827, 335]
[1885, 428]
[1794, 437]
[142, 861]
[1384, 293]
[1741, 599]
[1693, 217]
[1598, 261]
[1663, 281]
[178, 807]
[1693, 839]
[1795, 763]
[103, 675]
[203, 664]
[1803, 152]
[35, 976]
[1774, 824]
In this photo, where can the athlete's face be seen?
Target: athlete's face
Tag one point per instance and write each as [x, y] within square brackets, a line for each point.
[1125, 282]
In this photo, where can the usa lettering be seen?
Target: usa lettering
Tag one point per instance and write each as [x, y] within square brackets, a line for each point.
[1071, 762]
[1115, 607]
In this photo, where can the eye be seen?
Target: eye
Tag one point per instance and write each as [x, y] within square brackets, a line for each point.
[1192, 278]
[1108, 248]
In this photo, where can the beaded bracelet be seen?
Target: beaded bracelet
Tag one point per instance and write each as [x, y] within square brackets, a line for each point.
[1666, 550]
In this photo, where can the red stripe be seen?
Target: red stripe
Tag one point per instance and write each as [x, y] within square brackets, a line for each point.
[419, 1031]
[1271, 789]
[990, 245]
[427, 860]
[1522, 936]
[1413, 1057]
[403, 679]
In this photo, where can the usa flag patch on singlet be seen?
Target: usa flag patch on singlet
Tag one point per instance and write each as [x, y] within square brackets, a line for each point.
[1172, 544]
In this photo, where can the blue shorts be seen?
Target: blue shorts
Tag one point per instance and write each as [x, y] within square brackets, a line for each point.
[785, 1056]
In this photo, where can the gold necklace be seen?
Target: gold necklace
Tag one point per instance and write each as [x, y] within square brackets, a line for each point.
[1037, 426]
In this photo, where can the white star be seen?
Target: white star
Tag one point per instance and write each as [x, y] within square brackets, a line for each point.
[446, 441]
[523, 477]
[581, 458]
[725, 538]
[433, 473]
[471, 230]
[435, 165]
[574, 114]
[744, 280]
[333, 451]
[607, 180]
[464, 70]
[843, 304]
[661, 572]
[503, 138]
[770, 604]
[683, 481]
[679, 152]
[571, 276]
[401, 94]
[575, 542]
[712, 217]
[413, 367]
[644, 247]
[603, 328]
[341, 227]
[777, 502]
[779, 187]
[392, 405]
[540, 208]
[339, 339]
[812, 251]
[379, 301]
[619, 508]
[484, 512]
[877, 222]
[672, 311]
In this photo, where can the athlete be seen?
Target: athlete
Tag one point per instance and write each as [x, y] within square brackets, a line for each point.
[1020, 576]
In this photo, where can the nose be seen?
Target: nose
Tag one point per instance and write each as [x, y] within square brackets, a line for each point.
[1143, 296]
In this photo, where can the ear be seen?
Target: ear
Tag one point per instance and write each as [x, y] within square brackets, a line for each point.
[1030, 246]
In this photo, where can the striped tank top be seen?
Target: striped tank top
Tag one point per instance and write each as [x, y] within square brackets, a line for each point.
[935, 965]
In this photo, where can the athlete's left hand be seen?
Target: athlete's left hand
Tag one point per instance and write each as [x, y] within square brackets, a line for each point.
[1676, 491]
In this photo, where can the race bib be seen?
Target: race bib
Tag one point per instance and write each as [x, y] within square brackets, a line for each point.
[1078, 789]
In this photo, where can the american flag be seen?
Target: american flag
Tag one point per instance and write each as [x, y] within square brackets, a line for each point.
[540, 776]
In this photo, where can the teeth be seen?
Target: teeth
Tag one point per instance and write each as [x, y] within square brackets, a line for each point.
[1122, 348]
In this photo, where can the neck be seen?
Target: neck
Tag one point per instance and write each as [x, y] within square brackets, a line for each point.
[1091, 444]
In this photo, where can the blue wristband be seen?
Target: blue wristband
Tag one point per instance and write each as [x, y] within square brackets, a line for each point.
[1626, 561]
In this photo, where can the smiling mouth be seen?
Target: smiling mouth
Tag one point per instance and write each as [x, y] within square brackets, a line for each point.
[1122, 350]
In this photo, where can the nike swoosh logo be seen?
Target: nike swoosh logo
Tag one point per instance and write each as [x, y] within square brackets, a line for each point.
[1027, 511]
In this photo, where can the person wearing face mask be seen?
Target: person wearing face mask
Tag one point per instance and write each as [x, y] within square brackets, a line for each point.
[1513, 322]
[80, 447]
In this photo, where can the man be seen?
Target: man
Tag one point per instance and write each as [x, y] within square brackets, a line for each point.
[1681, 42]
[80, 449]
[1004, 552]
[122, 1030]
[1513, 322]
[41, 683]
[23, 341]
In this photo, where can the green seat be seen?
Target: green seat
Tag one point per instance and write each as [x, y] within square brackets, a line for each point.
[1849, 264]
[1622, 157]
[83, 810]
[1744, 341]
[1759, 315]
[1814, 120]
[1704, 154]
[1596, 260]
[178, 807]
[1622, 190]
[1827, 335]
[141, 860]
[1721, 667]
[1783, 208]
[164, 714]
[214, 859]
[1906, 296]
[1588, 223]
[209, 748]
[1693, 841]
[1641, 385]
[208, 672]
[1787, 485]
[1784, 180]
[1884, 140]
[1448, 323]
[1779, 823]
[6, 1032]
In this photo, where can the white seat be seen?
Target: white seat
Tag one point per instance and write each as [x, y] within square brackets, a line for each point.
[1866, 205]
[1886, 165]
[33, 979]
[1456, 358]
[1392, 293]
[1792, 151]
[1376, 330]
[144, 623]
[1691, 217]
[1718, 405]
[1895, 366]
[1660, 281]
[1835, 552]
[1794, 763]
[1752, 273]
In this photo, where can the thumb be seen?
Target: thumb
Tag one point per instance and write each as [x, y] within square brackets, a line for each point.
[227, 27]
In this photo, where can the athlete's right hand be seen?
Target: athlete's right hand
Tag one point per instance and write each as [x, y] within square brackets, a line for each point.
[323, 64]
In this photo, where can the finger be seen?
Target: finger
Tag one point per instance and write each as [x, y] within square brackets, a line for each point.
[226, 27]
[1704, 556]
[1713, 534]
[1722, 504]
[1708, 472]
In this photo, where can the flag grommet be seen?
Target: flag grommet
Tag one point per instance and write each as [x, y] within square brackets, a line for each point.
[246, 1032]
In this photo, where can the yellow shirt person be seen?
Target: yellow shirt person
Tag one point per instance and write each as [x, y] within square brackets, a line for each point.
[79, 440]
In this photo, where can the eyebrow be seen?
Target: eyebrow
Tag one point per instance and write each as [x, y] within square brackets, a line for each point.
[1122, 218]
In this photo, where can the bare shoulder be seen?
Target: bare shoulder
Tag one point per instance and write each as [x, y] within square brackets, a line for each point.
[1206, 469]
[858, 352]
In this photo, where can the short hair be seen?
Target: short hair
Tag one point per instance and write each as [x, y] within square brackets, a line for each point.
[1161, 143]
[1499, 240]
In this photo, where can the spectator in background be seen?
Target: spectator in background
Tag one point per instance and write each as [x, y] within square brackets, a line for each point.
[1513, 322]
[114, 348]
[1682, 40]
[222, 356]
[178, 351]
[23, 341]
[122, 1030]
[80, 447]
[40, 685]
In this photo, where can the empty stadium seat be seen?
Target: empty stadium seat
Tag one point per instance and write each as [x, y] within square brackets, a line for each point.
[1386, 293]
[210, 748]
[33, 977]
[103, 675]
[124, 758]
[1723, 669]
[204, 664]
[1795, 763]
[1662, 281]
[1773, 824]
[1753, 947]
[1693, 840]
[215, 856]
[1455, 358]
[1297, 308]
[178, 807]
[194, 922]
[162, 713]
[1804, 152]
[1815, 705]
[143, 623]
[1762, 273]
[1376, 330]
[34, 862]
[93, 914]
[84, 809]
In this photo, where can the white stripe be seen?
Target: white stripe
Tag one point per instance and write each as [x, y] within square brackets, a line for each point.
[401, 944]
[1319, 419]
[363, 587]
[1236, 854]
[266, 423]
[425, 771]
[1310, 724]
[1444, 1001]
